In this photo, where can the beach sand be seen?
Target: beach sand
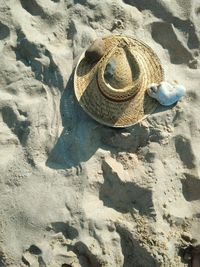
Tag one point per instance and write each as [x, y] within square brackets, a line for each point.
[77, 193]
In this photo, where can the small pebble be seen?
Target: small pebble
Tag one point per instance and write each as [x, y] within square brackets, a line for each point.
[118, 24]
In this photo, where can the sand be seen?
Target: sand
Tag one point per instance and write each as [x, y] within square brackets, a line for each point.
[74, 192]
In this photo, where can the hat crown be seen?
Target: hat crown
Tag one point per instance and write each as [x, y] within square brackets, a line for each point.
[121, 71]
[119, 74]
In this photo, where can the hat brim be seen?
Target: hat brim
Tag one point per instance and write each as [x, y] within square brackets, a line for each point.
[117, 113]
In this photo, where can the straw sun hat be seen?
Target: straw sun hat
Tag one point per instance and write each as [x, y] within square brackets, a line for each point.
[112, 89]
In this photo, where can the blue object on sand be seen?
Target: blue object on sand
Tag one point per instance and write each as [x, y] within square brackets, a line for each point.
[165, 93]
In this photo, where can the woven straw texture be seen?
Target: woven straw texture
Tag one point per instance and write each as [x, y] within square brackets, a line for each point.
[122, 101]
